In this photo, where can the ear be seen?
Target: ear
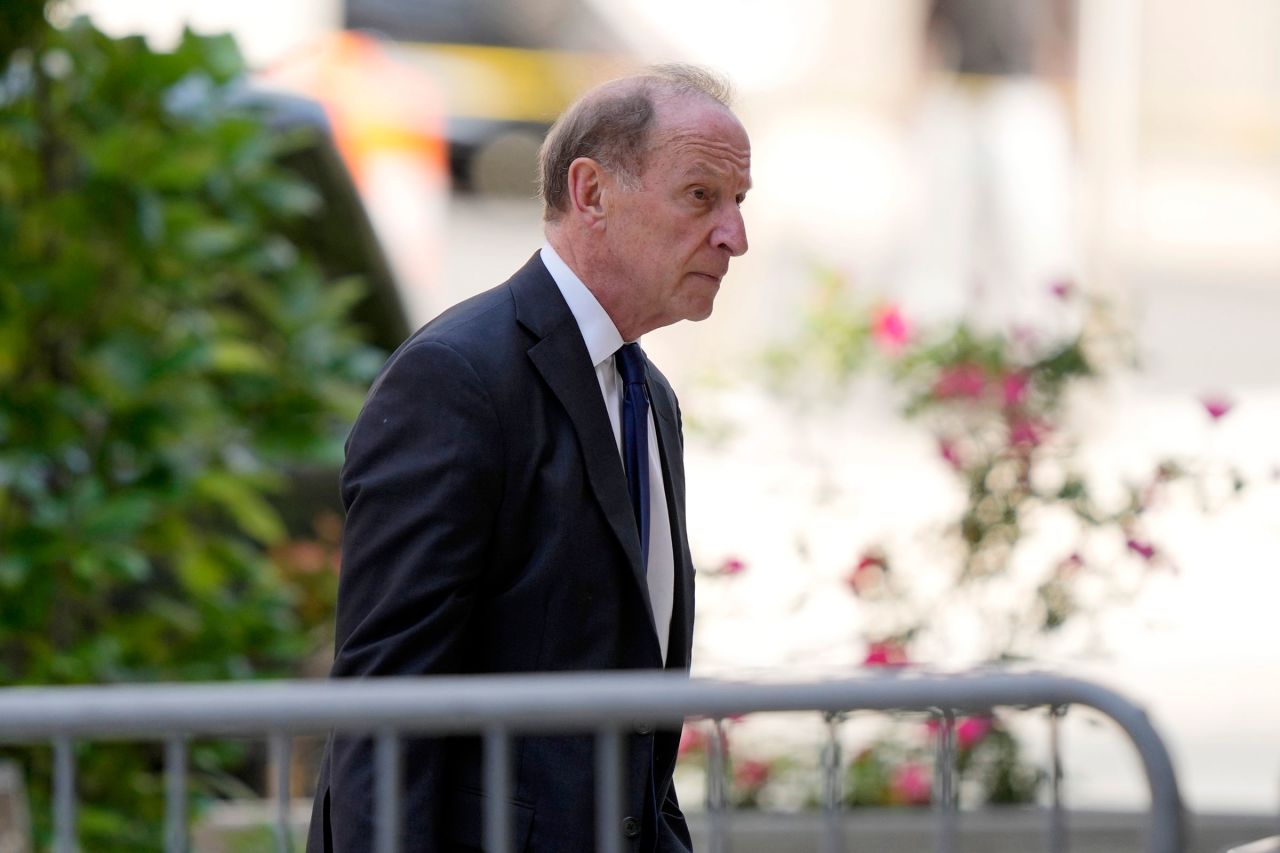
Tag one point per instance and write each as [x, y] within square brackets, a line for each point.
[587, 180]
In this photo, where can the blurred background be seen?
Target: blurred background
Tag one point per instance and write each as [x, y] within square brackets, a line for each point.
[996, 381]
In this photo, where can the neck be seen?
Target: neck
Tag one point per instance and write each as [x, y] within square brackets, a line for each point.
[600, 277]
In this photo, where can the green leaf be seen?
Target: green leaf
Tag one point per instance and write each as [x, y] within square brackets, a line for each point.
[117, 153]
[289, 198]
[181, 170]
[202, 574]
[120, 517]
[213, 240]
[240, 357]
[13, 570]
[87, 565]
[218, 54]
[129, 564]
[237, 496]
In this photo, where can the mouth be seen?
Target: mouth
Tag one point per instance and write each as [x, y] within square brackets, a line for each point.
[710, 276]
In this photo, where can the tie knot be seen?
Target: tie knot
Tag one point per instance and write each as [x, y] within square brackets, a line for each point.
[630, 362]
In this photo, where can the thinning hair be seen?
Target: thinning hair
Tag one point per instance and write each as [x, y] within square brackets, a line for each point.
[612, 125]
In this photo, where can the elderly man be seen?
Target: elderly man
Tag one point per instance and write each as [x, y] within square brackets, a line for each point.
[515, 486]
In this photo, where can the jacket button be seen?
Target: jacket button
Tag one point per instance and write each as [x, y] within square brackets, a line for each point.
[630, 827]
[644, 729]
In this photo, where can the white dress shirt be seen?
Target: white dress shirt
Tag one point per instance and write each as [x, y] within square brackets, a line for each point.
[603, 340]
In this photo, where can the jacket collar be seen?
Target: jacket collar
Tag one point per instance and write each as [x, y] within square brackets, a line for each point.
[561, 357]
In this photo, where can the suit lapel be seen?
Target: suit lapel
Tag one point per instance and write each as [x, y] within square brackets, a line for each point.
[560, 356]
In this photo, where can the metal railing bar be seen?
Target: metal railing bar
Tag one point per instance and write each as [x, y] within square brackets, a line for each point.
[549, 702]
[64, 796]
[497, 789]
[1057, 816]
[557, 702]
[832, 789]
[281, 745]
[608, 790]
[718, 787]
[944, 782]
[387, 764]
[175, 794]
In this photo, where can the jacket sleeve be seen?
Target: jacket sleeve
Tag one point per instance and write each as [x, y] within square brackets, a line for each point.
[673, 833]
[421, 485]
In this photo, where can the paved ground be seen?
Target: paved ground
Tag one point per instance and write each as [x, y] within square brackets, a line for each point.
[982, 832]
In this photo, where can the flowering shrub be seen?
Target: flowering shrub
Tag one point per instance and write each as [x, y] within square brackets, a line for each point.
[896, 769]
[999, 409]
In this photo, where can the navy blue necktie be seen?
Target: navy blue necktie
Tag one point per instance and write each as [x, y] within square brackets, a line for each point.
[635, 437]
[635, 457]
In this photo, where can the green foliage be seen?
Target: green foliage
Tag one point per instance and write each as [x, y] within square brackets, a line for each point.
[22, 23]
[167, 356]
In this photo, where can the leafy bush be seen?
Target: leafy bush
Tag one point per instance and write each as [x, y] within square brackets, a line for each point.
[168, 354]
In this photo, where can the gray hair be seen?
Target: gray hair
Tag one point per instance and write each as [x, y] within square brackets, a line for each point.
[611, 124]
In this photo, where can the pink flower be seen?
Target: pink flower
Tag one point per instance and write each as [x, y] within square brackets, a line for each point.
[949, 452]
[1070, 565]
[871, 558]
[1014, 386]
[1026, 432]
[971, 730]
[961, 380]
[1216, 405]
[750, 774]
[910, 784]
[889, 328]
[732, 566]
[692, 740]
[1145, 550]
[1064, 289]
[885, 653]
[868, 574]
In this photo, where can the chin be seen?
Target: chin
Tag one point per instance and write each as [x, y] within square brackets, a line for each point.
[700, 312]
[699, 306]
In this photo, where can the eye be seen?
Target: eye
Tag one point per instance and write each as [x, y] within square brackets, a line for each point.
[700, 193]
[740, 198]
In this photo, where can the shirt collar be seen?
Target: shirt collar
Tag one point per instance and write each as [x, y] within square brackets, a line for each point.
[598, 331]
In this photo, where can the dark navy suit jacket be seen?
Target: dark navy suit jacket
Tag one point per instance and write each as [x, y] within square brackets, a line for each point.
[489, 530]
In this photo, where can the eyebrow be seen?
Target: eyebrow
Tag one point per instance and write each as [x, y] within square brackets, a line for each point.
[700, 169]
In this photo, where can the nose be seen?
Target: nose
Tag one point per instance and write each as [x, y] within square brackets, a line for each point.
[731, 232]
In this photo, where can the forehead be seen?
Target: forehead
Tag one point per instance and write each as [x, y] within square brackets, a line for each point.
[697, 135]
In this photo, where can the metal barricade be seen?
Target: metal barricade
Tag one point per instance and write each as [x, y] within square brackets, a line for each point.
[500, 707]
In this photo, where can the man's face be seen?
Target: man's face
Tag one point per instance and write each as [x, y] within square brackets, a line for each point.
[672, 237]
